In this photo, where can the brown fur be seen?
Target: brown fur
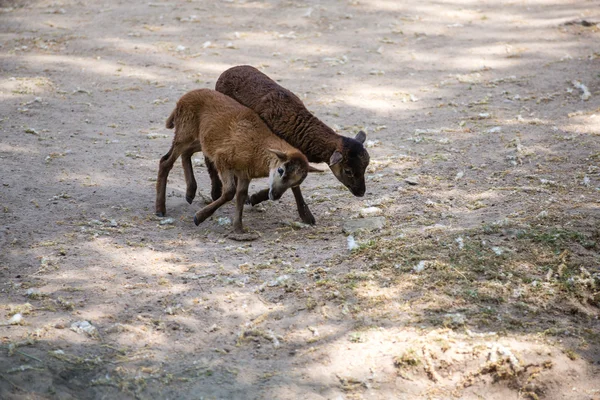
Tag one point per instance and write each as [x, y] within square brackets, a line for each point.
[287, 117]
[236, 140]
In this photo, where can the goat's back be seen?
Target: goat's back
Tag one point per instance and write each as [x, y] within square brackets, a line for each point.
[206, 105]
[257, 91]
[281, 110]
[203, 113]
[231, 135]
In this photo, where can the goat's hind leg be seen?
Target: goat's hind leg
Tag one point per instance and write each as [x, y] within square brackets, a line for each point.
[164, 167]
[216, 187]
[227, 195]
[240, 199]
[190, 180]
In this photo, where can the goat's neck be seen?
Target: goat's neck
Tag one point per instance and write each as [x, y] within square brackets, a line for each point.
[316, 140]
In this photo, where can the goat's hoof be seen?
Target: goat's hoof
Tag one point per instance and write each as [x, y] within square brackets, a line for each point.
[160, 214]
[307, 218]
[252, 200]
[310, 220]
[196, 221]
[189, 199]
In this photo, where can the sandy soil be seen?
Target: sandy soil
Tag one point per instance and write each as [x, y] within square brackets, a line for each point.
[483, 282]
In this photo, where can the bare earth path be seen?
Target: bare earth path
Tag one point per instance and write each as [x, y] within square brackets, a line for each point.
[481, 282]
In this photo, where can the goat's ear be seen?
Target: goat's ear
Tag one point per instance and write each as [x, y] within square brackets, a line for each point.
[335, 158]
[361, 136]
[313, 169]
[280, 154]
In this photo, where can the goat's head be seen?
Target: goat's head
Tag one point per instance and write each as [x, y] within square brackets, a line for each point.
[349, 163]
[290, 171]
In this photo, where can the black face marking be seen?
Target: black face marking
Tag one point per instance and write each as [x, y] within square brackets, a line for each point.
[352, 168]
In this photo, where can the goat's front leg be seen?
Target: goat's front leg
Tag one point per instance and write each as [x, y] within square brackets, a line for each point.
[259, 197]
[240, 199]
[303, 210]
[227, 195]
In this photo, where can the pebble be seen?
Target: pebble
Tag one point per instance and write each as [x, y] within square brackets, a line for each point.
[412, 180]
[367, 224]
[370, 212]
[84, 327]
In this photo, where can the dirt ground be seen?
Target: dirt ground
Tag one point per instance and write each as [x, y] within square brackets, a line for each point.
[480, 278]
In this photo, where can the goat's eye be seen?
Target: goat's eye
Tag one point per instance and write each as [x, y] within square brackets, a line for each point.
[280, 171]
[349, 172]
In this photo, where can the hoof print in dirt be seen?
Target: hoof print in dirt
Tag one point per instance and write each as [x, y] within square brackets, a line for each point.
[244, 237]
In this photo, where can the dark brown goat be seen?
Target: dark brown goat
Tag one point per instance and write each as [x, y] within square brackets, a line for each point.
[288, 118]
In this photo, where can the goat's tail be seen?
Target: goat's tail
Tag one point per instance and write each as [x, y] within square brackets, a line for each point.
[171, 120]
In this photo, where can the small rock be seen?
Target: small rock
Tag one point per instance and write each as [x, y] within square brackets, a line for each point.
[412, 180]
[84, 327]
[370, 211]
[167, 221]
[367, 224]
[496, 129]
[15, 319]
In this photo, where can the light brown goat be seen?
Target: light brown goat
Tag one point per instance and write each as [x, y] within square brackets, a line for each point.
[239, 144]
